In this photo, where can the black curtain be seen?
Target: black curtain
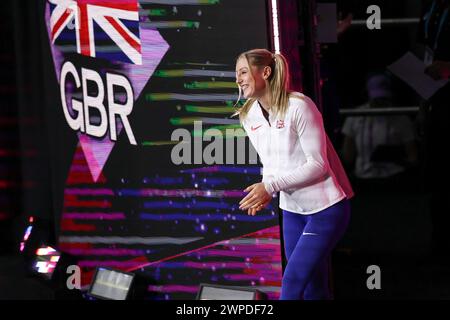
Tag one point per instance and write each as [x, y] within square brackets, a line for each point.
[31, 53]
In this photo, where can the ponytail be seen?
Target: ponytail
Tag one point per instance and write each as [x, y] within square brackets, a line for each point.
[280, 85]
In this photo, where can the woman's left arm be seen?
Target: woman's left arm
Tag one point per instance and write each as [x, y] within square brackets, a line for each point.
[312, 138]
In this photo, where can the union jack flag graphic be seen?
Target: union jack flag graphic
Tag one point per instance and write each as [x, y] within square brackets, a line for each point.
[99, 22]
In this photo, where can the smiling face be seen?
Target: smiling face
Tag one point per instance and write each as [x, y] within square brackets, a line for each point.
[251, 79]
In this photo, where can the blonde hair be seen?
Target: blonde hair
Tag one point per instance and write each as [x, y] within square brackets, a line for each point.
[279, 83]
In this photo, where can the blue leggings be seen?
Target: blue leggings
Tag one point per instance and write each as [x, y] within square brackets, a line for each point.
[308, 242]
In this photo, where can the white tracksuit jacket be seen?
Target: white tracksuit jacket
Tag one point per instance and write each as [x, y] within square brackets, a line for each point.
[297, 156]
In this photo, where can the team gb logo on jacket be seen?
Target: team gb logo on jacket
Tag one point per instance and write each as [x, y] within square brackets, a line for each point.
[280, 124]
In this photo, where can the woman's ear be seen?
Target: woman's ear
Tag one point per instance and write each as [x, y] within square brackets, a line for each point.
[267, 72]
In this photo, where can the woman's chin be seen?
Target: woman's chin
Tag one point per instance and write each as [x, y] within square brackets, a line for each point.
[247, 96]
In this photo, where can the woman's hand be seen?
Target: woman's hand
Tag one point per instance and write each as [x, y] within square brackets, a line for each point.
[256, 199]
[252, 211]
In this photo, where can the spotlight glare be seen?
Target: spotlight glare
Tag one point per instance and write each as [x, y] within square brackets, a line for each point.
[46, 260]
[276, 30]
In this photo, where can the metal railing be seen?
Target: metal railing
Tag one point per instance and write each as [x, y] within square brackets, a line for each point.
[390, 22]
[378, 111]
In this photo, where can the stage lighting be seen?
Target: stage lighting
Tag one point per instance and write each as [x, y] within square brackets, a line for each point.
[45, 261]
[217, 292]
[111, 284]
[27, 234]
